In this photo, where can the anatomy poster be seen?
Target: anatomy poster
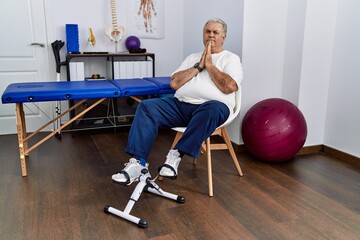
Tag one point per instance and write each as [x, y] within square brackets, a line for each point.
[145, 18]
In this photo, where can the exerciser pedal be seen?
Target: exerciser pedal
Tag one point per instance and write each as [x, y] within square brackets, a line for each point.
[171, 168]
[149, 185]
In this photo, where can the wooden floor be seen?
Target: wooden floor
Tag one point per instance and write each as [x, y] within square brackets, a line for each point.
[69, 183]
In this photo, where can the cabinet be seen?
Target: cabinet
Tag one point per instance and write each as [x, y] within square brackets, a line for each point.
[113, 64]
[113, 112]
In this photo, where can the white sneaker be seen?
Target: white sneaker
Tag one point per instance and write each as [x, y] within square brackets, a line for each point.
[170, 167]
[130, 173]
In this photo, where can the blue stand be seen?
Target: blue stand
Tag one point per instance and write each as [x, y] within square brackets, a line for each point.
[72, 38]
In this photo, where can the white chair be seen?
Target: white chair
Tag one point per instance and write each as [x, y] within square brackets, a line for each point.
[207, 147]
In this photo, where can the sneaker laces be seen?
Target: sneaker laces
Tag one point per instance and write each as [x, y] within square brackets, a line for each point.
[172, 156]
[130, 163]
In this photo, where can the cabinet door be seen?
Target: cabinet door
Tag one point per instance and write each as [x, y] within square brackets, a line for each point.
[133, 69]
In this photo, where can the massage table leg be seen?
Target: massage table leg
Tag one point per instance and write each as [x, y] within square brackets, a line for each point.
[22, 134]
[21, 130]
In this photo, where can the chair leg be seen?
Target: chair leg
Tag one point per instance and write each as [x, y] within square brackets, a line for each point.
[226, 138]
[176, 139]
[206, 147]
[208, 157]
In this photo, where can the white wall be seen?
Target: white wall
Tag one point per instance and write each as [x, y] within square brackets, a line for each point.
[316, 66]
[303, 51]
[264, 38]
[97, 14]
[310, 57]
[342, 128]
[295, 25]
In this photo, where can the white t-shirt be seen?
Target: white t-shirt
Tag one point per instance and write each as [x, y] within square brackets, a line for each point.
[201, 88]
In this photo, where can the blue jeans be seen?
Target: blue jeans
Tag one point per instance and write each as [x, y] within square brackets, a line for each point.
[201, 121]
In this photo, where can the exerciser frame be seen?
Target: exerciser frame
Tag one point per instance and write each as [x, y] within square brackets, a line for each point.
[145, 184]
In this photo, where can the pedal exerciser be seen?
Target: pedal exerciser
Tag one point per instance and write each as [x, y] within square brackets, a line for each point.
[145, 184]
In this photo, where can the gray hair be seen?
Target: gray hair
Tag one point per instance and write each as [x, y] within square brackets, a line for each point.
[218, 20]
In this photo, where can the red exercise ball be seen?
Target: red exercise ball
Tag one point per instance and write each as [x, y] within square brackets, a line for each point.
[274, 130]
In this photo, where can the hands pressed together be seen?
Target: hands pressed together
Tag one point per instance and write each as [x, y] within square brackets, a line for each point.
[181, 77]
[222, 80]
[206, 59]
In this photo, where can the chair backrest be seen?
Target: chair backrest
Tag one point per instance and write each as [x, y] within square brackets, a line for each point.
[236, 108]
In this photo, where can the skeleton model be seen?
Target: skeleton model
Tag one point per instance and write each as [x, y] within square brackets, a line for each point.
[115, 32]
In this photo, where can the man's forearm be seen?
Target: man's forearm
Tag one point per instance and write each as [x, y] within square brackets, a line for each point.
[180, 78]
[222, 80]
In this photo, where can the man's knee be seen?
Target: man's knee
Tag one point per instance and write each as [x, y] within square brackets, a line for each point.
[147, 103]
[216, 107]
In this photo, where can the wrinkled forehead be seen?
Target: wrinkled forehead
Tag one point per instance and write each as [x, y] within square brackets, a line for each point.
[213, 26]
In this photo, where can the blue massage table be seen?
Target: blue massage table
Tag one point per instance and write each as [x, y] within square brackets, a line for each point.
[20, 93]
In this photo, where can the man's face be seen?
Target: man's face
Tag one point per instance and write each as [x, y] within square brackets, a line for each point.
[213, 32]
